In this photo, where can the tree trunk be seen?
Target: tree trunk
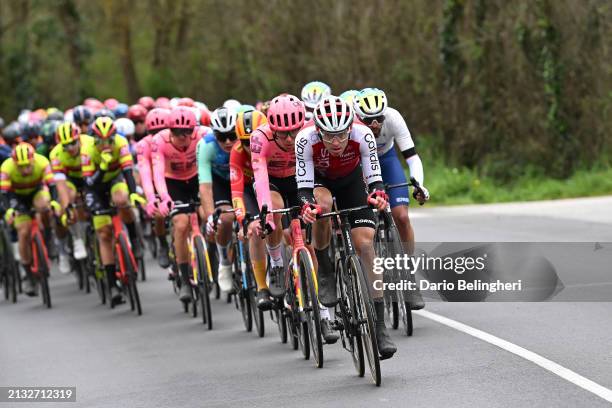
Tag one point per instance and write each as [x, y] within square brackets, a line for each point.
[71, 21]
[121, 19]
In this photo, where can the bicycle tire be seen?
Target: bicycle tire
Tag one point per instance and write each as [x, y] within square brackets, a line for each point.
[43, 269]
[83, 265]
[282, 325]
[365, 310]
[312, 313]
[203, 280]
[407, 319]
[346, 310]
[258, 315]
[242, 294]
[131, 272]
[141, 268]
[395, 315]
[13, 274]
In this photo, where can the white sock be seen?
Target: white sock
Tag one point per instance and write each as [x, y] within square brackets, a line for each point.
[276, 257]
[324, 313]
[222, 251]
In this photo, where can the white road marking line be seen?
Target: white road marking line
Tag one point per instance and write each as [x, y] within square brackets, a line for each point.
[543, 362]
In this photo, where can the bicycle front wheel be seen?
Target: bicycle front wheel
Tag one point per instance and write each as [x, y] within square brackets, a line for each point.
[365, 316]
[43, 269]
[312, 312]
[203, 282]
[131, 272]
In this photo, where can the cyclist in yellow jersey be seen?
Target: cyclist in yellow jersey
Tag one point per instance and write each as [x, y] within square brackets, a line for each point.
[66, 165]
[26, 182]
[107, 167]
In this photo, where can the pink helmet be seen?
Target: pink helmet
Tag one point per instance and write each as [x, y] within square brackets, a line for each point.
[162, 102]
[147, 102]
[111, 103]
[286, 113]
[157, 119]
[181, 117]
[186, 102]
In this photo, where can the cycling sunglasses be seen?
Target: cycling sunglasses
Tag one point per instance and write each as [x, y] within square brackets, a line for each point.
[222, 137]
[378, 119]
[329, 137]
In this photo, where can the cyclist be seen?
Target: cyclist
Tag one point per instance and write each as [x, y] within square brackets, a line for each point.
[312, 93]
[121, 110]
[137, 114]
[215, 191]
[334, 158]
[389, 128]
[26, 182]
[147, 102]
[244, 199]
[66, 165]
[175, 174]
[82, 116]
[273, 159]
[107, 169]
[156, 121]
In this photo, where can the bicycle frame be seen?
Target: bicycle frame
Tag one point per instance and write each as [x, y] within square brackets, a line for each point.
[35, 261]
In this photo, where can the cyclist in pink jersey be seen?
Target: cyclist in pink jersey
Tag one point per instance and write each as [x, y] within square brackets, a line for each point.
[175, 174]
[156, 121]
[273, 160]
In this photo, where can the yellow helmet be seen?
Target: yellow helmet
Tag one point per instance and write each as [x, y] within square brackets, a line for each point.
[67, 133]
[103, 128]
[247, 122]
[370, 102]
[23, 154]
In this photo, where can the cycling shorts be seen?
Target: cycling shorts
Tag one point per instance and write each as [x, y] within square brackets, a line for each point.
[185, 191]
[222, 191]
[99, 197]
[350, 192]
[393, 173]
[250, 200]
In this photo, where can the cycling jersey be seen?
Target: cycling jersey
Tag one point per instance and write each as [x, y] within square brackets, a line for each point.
[64, 164]
[313, 157]
[11, 179]
[241, 174]
[172, 163]
[212, 159]
[269, 160]
[394, 130]
[143, 158]
[121, 159]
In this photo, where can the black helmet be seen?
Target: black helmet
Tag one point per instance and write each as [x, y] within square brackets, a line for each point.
[31, 130]
[11, 132]
[104, 112]
[81, 115]
[47, 131]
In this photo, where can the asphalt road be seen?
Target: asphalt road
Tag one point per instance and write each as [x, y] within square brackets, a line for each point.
[166, 358]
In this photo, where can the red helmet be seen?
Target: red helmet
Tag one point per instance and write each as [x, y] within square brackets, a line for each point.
[204, 117]
[111, 103]
[162, 102]
[147, 102]
[137, 113]
[286, 113]
[186, 102]
[157, 119]
[181, 118]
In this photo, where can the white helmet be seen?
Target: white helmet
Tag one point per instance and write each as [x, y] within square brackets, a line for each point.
[313, 92]
[333, 115]
[232, 104]
[24, 117]
[223, 120]
[370, 103]
[125, 127]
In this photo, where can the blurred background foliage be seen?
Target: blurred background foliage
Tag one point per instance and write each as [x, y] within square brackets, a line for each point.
[501, 88]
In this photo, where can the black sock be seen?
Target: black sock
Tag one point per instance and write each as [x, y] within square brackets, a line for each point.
[379, 306]
[131, 227]
[162, 242]
[325, 264]
[28, 271]
[110, 275]
[184, 269]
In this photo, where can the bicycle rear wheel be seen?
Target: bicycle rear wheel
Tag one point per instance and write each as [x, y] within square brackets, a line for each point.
[346, 310]
[43, 269]
[258, 316]
[131, 272]
[312, 312]
[365, 316]
[203, 280]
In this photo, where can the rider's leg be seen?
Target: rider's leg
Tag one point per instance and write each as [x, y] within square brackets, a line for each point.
[120, 197]
[223, 239]
[321, 233]
[23, 226]
[402, 221]
[159, 228]
[180, 230]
